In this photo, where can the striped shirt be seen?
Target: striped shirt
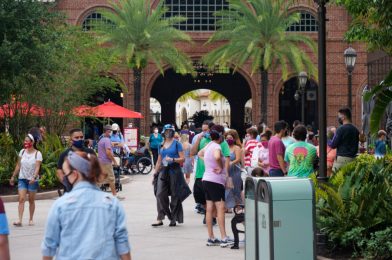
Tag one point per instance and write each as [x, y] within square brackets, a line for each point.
[249, 147]
[3, 220]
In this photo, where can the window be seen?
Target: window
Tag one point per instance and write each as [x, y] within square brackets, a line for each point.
[307, 23]
[93, 18]
[199, 13]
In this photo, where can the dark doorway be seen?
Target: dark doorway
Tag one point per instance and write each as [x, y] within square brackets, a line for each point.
[169, 87]
[290, 108]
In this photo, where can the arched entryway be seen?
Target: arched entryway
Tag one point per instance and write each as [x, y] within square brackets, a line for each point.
[169, 87]
[290, 102]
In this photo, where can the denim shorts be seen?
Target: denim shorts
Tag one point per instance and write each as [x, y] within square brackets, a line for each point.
[23, 184]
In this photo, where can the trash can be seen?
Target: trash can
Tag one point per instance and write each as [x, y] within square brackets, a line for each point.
[250, 218]
[286, 219]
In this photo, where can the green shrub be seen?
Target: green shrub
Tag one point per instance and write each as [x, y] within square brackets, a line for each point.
[8, 157]
[51, 149]
[378, 246]
[356, 202]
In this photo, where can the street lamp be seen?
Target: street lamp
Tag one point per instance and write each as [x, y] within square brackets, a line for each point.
[303, 79]
[350, 56]
[322, 93]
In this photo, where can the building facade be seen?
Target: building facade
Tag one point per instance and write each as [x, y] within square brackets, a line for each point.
[241, 86]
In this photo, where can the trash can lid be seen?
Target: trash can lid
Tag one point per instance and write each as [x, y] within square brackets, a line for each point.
[289, 188]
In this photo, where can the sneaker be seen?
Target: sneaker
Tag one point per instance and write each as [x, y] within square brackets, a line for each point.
[120, 197]
[226, 242]
[213, 242]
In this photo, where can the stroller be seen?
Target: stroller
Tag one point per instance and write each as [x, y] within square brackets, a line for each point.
[117, 173]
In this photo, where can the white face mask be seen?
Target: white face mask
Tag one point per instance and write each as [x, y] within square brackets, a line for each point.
[155, 131]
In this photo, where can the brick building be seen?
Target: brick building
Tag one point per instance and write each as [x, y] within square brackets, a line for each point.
[238, 88]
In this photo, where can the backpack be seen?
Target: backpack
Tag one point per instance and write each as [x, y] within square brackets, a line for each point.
[40, 168]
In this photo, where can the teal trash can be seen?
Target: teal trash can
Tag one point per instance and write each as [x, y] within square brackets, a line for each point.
[251, 218]
[286, 219]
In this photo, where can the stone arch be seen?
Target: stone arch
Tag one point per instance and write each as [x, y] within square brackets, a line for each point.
[357, 108]
[154, 74]
[276, 89]
[89, 10]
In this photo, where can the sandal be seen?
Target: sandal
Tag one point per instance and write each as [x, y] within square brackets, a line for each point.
[17, 224]
[31, 223]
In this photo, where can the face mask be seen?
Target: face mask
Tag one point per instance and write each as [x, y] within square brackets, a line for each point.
[340, 120]
[67, 185]
[155, 131]
[264, 144]
[230, 142]
[27, 145]
[207, 135]
[78, 143]
[114, 132]
[169, 134]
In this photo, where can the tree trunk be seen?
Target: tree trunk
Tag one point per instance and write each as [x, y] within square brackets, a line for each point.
[264, 95]
[137, 86]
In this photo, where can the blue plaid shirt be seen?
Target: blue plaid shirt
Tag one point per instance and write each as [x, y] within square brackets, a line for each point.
[86, 223]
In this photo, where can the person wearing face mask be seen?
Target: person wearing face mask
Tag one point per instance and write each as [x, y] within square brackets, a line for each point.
[27, 169]
[264, 152]
[345, 140]
[77, 144]
[117, 140]
[155, 143]
[169, 180]
[233, 196]
[85, 223]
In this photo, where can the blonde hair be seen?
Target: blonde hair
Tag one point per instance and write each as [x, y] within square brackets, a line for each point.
[184, 138]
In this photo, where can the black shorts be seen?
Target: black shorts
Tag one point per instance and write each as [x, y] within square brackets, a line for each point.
[214, 191]
[198, 192]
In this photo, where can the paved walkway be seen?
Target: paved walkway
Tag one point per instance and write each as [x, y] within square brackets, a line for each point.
[183, 242]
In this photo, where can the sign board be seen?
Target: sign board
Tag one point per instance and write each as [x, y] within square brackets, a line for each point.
[131, 137]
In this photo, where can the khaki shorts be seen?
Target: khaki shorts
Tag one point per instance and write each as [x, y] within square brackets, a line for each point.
[108, 172]
[340, 162]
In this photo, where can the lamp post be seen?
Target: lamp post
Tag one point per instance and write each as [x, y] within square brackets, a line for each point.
[302, 79]
[350, 56]
[322, 94]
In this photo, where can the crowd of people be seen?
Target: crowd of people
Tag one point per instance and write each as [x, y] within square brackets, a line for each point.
[216, 156]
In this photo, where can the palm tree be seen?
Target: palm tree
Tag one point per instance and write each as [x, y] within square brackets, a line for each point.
[382, 95]
[137, 34]
[189, 95]
[255, 30]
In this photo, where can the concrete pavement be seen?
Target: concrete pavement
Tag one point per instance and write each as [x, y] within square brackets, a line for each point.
[183, 242]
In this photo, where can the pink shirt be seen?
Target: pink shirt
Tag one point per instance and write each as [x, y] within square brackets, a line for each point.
[275, 147]
[211, 164]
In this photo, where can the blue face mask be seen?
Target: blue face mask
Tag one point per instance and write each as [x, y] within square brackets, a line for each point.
[207, 135]
[78, 144]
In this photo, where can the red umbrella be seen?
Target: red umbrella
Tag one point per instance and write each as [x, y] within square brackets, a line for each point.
[24, 108]
[84, 111]
[110, 109]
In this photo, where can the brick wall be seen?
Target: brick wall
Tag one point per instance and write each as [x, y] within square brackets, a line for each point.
[337, 24]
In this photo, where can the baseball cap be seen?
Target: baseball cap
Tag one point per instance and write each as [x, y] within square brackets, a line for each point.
[115, 127]
[107, 127]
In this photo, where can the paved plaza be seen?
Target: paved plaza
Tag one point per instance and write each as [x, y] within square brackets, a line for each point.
[183, 242]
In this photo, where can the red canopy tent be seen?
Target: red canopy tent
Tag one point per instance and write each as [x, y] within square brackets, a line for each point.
[84, 111]
[110, 109]
[24, 108]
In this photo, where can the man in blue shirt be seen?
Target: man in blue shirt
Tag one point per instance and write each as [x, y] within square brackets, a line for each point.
[4, 232]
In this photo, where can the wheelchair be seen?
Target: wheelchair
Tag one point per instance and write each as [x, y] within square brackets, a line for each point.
[138, 163]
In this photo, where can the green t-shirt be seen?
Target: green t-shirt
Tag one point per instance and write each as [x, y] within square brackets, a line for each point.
[300, 156]
[200, 167]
